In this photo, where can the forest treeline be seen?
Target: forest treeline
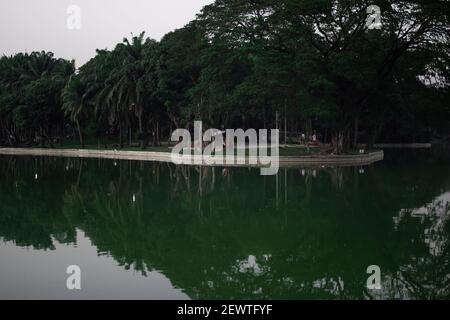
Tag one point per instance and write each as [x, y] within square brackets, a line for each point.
[299, 65]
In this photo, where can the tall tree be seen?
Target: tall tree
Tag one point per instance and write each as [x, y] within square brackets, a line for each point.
[76, 104]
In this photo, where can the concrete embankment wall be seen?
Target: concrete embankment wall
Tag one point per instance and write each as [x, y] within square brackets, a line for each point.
[314, 160]
[333, 160]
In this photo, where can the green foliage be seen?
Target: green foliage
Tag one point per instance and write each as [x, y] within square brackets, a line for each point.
[239, 64]
[30, 95]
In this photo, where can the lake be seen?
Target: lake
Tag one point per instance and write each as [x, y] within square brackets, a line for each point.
[143, 230]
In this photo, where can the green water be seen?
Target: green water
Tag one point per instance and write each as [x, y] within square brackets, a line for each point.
[156, 231]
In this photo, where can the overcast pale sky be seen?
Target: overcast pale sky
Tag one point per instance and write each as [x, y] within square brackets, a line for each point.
[35, 25]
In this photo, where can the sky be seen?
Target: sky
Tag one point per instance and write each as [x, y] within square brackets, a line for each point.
[36, 25]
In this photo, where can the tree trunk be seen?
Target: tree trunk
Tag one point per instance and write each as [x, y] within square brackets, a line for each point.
[41, 134]
[61, 142]
[157, 134]
[337, 142]
[120, 135]
[355, 134]
[130, 142]
[80, 134]
[372, 139]
[141, 133]
[374, 134]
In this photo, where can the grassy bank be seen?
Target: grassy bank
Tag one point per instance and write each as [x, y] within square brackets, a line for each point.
[291, 150]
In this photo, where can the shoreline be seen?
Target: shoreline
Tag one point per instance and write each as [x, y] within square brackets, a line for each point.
[401, 145]
[284, 161]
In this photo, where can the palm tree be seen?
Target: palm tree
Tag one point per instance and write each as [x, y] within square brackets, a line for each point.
[76, 103]
[109, 102]
[39, 64]
[129, 88]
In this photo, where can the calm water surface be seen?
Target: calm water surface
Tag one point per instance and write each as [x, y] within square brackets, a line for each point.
[156, 231]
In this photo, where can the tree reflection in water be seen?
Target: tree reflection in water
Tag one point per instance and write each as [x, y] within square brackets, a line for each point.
[307, 233]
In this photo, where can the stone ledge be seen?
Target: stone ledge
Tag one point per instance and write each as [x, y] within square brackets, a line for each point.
[287, 161]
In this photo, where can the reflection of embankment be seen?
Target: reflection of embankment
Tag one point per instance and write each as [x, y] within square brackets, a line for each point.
[235, 234]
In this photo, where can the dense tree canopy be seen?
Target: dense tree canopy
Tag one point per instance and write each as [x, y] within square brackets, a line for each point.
[30, 97]
[240, 63]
